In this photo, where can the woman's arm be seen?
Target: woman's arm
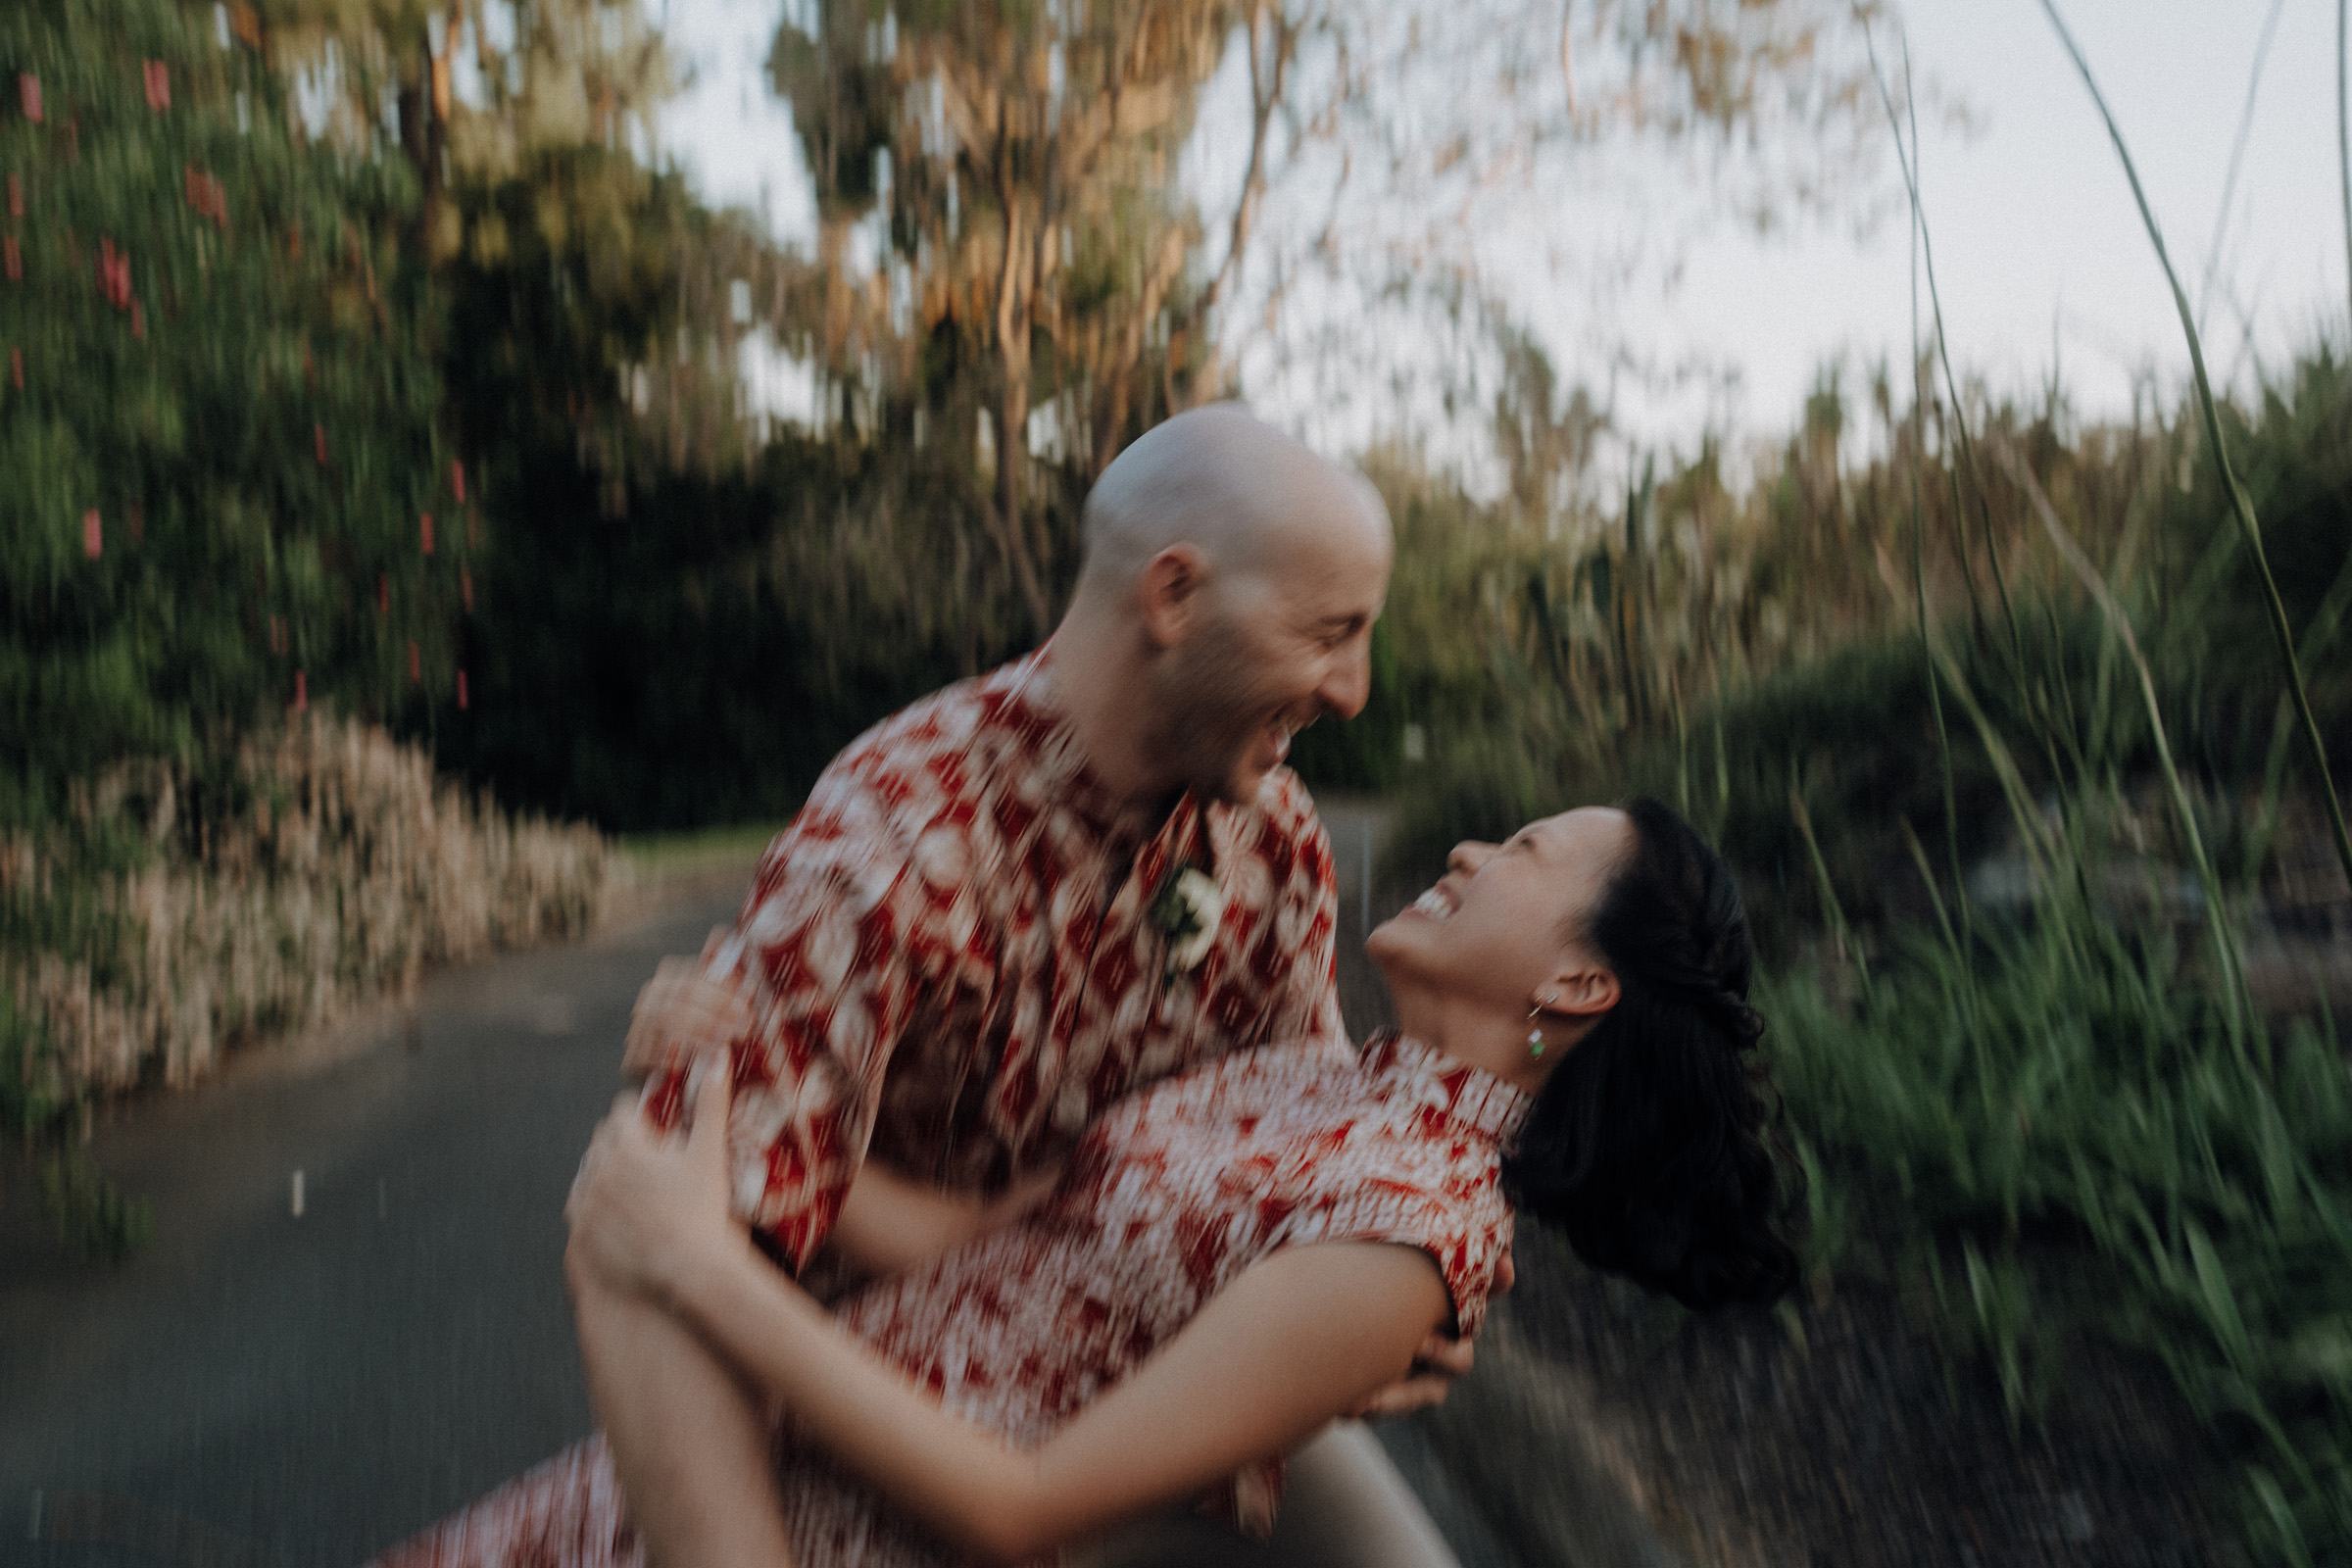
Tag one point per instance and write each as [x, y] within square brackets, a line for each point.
[1302, 1337]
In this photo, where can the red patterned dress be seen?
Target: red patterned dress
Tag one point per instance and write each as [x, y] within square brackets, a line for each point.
[1169, 1197]
[956, 958]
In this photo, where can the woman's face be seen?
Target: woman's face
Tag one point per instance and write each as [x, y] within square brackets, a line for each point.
[1493, 925]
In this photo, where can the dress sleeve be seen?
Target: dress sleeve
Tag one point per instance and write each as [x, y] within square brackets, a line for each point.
[1457, 1217]
[823, 940]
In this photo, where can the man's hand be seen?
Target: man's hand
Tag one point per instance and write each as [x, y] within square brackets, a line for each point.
[645, 1209]
[1439, 1362]
[681, 1012]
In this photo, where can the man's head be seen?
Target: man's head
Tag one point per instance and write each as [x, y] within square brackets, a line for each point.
[1252, 572]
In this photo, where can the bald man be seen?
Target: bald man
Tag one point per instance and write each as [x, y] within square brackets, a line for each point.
[974, 935]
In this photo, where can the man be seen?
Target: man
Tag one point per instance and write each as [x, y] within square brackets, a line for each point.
[1013, 903]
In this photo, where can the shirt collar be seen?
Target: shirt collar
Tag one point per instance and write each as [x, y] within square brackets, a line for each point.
[1467, 1097]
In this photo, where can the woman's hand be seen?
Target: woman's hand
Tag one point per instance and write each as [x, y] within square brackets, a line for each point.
[645, 1210]
[1442, 1359]
[684, 1011]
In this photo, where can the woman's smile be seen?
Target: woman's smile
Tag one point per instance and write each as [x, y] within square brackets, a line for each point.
[1438, 903]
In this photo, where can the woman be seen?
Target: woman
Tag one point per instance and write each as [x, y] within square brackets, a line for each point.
[1237, 1255]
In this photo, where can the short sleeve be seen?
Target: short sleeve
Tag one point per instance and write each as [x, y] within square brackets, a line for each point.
[823, 939]
[1457, 1217]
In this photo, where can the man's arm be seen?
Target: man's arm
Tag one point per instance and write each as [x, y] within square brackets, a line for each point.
[888, 1221]
[891, 1221]
[686, 1011]
[829, 957]
[688, 1437]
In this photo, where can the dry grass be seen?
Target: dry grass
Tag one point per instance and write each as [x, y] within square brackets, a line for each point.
[327, 866]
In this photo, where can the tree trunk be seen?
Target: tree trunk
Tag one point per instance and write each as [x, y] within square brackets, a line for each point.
[1015, 305]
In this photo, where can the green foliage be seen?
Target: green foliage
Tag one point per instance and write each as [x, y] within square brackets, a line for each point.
[33, 1089]
[1521, 726]
[92, 1217]
[2029, 1094]
[2063, 1134]
[220, 453]
[675, 628]
[1366, 752]
[1044, 293]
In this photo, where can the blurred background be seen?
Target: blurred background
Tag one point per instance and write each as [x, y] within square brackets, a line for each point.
[465, 466]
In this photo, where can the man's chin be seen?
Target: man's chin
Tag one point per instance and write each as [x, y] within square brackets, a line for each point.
[1238, 785]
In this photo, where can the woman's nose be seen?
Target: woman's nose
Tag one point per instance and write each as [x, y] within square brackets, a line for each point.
[1468, 856]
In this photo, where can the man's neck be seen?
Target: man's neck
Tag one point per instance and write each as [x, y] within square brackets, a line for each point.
[1093, 681]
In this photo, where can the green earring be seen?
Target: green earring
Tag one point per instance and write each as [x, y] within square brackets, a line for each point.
[1534, 1037]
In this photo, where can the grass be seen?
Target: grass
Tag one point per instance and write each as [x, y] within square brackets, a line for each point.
[2057, 1135]
[2242, 507]
[2063, 1121]
[656, 856]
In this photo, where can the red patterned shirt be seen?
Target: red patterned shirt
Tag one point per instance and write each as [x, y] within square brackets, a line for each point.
[957, 961]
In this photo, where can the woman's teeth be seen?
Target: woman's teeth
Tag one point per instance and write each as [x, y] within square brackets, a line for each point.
[1435, 903]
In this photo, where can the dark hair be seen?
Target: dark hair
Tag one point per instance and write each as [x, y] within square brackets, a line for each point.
[1652, 1146]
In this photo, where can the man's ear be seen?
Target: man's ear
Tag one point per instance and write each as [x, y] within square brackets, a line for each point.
[1168, 593]
[1582, 991]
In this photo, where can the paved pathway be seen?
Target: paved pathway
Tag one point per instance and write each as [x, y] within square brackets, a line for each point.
[265, 1387]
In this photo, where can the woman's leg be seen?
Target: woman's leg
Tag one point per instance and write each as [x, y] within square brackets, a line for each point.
[689, 1441]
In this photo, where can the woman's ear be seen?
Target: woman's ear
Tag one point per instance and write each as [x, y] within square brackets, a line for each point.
[1584, 990]
[1168, 593]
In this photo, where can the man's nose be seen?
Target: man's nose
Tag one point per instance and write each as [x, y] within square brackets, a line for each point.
[1349, 684]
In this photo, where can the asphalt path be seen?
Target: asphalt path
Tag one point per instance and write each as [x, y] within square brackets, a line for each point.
[262, 1386]
[292, 1380]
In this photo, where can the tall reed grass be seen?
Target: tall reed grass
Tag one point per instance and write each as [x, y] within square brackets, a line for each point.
[2033, 1085]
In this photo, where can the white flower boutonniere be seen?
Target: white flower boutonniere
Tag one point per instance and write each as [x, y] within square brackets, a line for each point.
[1188, 909]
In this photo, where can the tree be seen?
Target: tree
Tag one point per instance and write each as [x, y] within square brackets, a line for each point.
[1014, 166]
[469, 89]
[1010, 247]
[225, 495]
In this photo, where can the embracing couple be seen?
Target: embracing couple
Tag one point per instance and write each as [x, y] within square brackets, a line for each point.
[1006, 1175]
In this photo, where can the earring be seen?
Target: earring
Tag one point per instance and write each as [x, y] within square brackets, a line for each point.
[1534, 1037]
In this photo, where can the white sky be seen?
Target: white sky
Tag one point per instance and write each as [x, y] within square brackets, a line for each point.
[2040, 250]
